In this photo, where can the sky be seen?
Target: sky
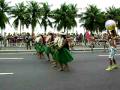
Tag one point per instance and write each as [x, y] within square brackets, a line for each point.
[81, 5]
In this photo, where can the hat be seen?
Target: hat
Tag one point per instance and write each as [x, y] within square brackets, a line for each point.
[38, 34]
[62, 33]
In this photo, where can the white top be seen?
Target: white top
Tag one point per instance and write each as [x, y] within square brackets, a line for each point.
[38, 39]
[56, 40]
[60, 42]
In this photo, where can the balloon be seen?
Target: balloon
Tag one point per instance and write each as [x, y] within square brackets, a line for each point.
[110, 25]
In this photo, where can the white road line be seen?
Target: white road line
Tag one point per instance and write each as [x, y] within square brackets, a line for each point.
[18, 53]
[108, 55]
[6, 73]
[81, 51]
[11, 58]
[103, 55]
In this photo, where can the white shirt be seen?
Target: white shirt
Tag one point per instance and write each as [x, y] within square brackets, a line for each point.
[37, 39]
[60, 42]
[56, 40]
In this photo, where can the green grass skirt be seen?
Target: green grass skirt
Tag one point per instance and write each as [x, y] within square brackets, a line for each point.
[63, 56]
[40, 48]
[47, 49]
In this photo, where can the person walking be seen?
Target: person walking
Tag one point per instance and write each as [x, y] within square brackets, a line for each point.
[112, 37]
[28, 39]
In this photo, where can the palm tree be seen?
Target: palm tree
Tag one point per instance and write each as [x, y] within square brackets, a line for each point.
[92, 19]
[18, 12]
[113, 13]
[33, 14]
[4, 9]
[46, 16]
[102, 21]
[65, 17]
[73, 15]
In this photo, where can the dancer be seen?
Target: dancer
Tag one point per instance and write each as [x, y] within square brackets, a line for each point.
[40, 46]
[64, 56]
[54, 50]
[49, 40]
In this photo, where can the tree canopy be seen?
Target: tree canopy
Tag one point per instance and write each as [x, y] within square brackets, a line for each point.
[62, 18]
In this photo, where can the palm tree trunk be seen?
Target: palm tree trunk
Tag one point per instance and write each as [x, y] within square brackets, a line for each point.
[20, 28]
[32, 32]
[67, 31]
[98, 31]
[45, 29]
[64, 29]
[1, 31]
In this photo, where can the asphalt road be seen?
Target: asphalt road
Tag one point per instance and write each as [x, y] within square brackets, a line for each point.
[25, 71]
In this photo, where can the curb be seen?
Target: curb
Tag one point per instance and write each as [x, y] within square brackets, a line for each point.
[19, 51]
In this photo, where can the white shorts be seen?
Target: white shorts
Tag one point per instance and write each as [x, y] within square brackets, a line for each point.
[112, 52]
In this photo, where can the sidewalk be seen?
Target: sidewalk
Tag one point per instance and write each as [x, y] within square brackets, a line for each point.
[23, 49]
[83, 48]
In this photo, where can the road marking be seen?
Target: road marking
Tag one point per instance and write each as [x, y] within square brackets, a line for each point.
[103, 55]
[81, 51]
[6, 73]
[11, 58]
[108, 55]
[19, 53]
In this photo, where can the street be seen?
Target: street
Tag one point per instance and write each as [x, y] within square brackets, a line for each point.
[25, 71]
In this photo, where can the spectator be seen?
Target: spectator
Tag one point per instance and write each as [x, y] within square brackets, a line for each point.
[28, 39]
